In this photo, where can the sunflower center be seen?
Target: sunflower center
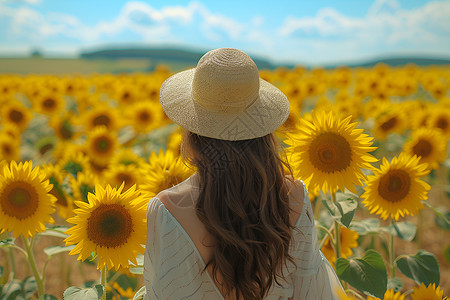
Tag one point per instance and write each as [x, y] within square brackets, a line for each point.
[122, 177]
[330, 152]
[49, 103]
[20, 200]
[16, 116]
[389, 124]
[422, 148]
[395, 185]
[6, 149]
[110, 225]
[442, 123]
[103, 144]
[101, 120]
[65, 130]
[144, 116]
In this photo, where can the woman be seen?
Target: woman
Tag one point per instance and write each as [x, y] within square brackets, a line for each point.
[238, 228]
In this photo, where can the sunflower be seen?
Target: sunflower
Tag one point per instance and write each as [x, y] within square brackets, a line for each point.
[126, 156]
[11, 130]
[349, 240]
[119, 174]
[112, 223]
[429, 144]
[25, 202]
[83, 184]
[102, 115]
[49, 103]
[64, 127]
[64, 203]
[391, 119]
[73, 161]
[440, 118]
[144, 116]
[15, 113]
[396, 189]
[101, 145]
[328, 153]
[9, 148]
[389, 295]
[175, 140]
[164, 171]
[431, 292]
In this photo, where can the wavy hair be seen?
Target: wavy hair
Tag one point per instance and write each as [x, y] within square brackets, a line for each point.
[244, 205]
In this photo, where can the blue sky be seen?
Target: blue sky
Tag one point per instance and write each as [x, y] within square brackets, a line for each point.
[309, 32]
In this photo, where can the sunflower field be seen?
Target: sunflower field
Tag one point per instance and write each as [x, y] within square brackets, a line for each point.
[81, 155]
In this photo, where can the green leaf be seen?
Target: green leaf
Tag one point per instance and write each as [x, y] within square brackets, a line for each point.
[1, 271]
[53, 250]
[443, 220]
[342, 211]
[56, 231]
[11, 290]
[366, 226]
[29, 286]
[404, 230]
[395, 284]
[367, 274]
[124, 281]
[447, 253]
[75, 293]
[47, 297]
[7, 242]
[421, 267]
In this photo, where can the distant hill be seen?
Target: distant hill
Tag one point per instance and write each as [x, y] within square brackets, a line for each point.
[184, 58]
[188, 58]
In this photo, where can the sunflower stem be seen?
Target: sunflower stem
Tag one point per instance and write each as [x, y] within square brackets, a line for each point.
[103, 276]
[337, 233]
[32, 262]
[13, 264]
[392, 254]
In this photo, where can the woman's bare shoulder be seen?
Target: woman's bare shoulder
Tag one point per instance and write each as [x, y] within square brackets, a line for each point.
[296, 197]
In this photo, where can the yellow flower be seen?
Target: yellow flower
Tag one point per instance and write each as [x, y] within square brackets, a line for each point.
[126, 156]
[113, 224]
[144, 116]
[64, 203]
[164, 171]
[83, 184]
[101, 115]
[73, 161]
[396, 188]
[328, 153]
[429, 144]
[431, 292]
[14, 112]
[9, 148]
[25, 202]
[64, 127]
[49, 104]
[349, 240]
[389, 295]
[119, 174]
[391, 119]
[101, 145]
[175, 140]
[440, 118]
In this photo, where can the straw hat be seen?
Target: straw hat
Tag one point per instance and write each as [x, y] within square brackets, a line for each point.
[224, 98]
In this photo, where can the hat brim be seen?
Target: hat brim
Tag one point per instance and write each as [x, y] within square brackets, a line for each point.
[267, 113]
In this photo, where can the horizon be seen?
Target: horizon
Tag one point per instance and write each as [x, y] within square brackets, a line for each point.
[320, 33]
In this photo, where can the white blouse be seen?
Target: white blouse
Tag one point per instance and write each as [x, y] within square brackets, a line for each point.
[173, 265]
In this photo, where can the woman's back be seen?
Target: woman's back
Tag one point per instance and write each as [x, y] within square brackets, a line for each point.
[180, 202]
[179, 249]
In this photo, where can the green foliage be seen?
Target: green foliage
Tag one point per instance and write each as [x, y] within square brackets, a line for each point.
[447, 253]
[56, 231]
[8, 242]
[342, 211]
[53, 250]
[19, 290]
[367, 274]
[422, 267]
[366, 226]
[404, 230]
[74, 293]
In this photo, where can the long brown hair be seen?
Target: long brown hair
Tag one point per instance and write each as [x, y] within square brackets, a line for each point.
[244, 205]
